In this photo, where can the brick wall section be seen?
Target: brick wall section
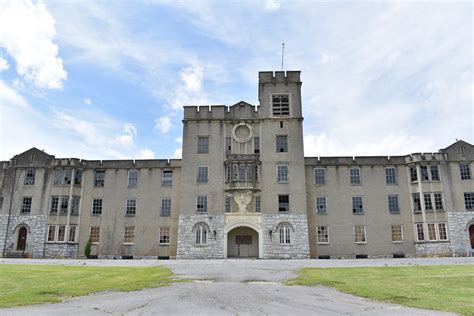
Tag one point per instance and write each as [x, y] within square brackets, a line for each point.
[459, 231]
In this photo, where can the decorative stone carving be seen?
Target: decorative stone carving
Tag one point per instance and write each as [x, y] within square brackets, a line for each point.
[242, 199]
[242, 133]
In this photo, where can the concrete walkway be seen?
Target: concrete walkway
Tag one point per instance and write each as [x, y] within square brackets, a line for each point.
[228, 287]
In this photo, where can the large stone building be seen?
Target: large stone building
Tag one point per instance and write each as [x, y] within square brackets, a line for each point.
[242, 189]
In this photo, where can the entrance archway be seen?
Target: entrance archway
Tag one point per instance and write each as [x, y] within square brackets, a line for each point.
[21, 241]
[471, 235]
[242, 242]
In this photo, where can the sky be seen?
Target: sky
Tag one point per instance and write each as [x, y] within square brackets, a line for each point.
[108, 79]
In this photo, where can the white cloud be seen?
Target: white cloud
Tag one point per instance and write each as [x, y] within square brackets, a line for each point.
[178, 139]
[145, 154]
[163, 125]
[189, 91]
[178, 153]
[3, 64]
[26, 33]
[87, 101]
[272, 5]
[128, 135]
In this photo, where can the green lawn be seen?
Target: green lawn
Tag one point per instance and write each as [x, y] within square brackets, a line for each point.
[444, 288]
[34, 284]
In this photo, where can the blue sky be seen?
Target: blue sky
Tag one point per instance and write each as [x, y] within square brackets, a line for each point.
[108, 79]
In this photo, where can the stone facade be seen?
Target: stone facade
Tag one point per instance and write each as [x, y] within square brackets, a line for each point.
[298, 248]
[214, 247]
[61, 250]
[433, 249]
[36, 227]
[459, 223]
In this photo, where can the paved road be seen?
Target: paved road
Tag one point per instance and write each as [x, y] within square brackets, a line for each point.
[228, 287]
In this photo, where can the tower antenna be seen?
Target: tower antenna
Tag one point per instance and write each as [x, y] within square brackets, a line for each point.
[282, 54]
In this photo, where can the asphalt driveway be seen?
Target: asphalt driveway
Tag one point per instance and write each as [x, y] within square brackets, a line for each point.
[228, 287]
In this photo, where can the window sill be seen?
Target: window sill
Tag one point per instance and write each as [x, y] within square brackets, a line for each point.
[356, 184]
[128, 243]
[397, 241]
[394, 213]
[358, 213]
[321, 213]
[323, 243]
[165, 215]
[96, 215]
[360, 242]
[164, 244]
[129, 215]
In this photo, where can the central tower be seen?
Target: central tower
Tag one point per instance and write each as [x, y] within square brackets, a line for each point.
[243, 180]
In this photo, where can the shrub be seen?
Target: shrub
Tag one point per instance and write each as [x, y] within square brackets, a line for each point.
[87, 250]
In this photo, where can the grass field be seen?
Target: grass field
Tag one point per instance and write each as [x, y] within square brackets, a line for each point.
[444, 288]
[34, 284]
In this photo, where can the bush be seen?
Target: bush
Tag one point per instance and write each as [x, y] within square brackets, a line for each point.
[87, 250]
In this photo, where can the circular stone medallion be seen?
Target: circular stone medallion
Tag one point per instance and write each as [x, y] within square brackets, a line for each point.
[242, 133]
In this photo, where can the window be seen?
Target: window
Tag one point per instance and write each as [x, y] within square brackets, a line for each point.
[424, 173]
[61, 233]
[164, 235]
[228, 204]
[203, 145]
[469, 200]
[96, 206]
[228, 145]
[167, 178]
[64, 204]
[77, 177]
[391, 175]
[323, 235]
[438, 200]
[354, 175]
[321, 204]
[428, 202]
[359, 234]
[72, 233]
[132, 178]
[165, 207]
[130, 207]
[397, 233]
[431, 231]
[62, 177]
[281, 143]
[319, 176]
[284, 203]
[258, 204]
[201, 203]
[256, 145]
[465, 171]
[52, 233]
[413, 174]
[75, 205]
[129, 235]
[420, 233]
[285, 234]
[434, 173]
[94, 235]
[442, 231]
[280, 105]
[30, 177]
[357, 205]
[54, 205]
[282, 173]
[99, 178]
[202, 174]
[393, 206]
[416, 202]
[200, 234]
[26, 204]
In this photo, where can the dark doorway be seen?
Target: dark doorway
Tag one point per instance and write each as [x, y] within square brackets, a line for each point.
[21, 243]
[471, 235]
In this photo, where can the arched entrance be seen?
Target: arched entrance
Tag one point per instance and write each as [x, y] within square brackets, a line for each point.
[21, 241]
[242, 242]
[471, 235]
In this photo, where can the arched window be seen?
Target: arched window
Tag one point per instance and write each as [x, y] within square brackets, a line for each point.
[285, 234]
[201, 234]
